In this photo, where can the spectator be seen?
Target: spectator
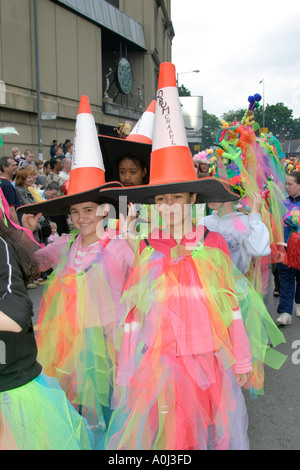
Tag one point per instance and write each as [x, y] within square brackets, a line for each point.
[55, 169]
[41, 179]
[61, 221]
[54, 235]
[69, 150]
[16, 154]
[27, 159]
[24, 179]
[54, 144]
[58, 151]
[39, 165]
[64, 175]
[51, 191]
[8, 170]
[289, 278]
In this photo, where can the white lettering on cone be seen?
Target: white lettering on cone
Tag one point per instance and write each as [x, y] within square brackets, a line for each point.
[169, 127]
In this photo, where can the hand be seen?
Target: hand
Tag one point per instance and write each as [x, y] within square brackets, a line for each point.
[30, 221]
[257, 203]
[242, 379]
[127, 225]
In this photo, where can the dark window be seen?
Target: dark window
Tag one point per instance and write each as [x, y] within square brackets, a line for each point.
[115, 3]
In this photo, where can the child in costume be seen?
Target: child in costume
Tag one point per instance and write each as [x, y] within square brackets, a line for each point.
[289, 271]
[247, 237]
[183, 350]
[79, 308]
[35, 413]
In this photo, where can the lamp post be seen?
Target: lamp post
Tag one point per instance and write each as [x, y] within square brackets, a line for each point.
[181, 73]
[38, 87]
[263, 82]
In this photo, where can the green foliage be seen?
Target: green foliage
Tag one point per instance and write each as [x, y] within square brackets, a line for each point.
[278, 119]
[211, 126]
[183, 91]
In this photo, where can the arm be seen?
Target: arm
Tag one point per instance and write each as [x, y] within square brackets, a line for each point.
[7, 324]
[15, 305]
[127, 226]
[257, 241]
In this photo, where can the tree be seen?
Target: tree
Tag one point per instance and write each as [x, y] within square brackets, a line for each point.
[183, 91]
[211, 126]
[278, 119]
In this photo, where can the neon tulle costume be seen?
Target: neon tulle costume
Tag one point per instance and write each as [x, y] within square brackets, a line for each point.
[58, 426]
[175, 388]
[74, 331]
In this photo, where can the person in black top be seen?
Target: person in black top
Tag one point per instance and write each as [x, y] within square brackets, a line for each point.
[34, 411]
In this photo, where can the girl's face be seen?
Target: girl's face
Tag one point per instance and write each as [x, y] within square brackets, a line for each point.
[174, 209]
[85, 219]
[130, 174]
[292, 187]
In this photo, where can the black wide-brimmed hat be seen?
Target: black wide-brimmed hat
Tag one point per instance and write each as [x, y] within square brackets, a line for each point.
[138, 145]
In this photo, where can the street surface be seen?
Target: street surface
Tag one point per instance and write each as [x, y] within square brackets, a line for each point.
[274, 419]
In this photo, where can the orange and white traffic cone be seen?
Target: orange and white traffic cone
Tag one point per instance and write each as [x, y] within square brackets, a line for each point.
[87, 171]
[171, 158]
[143, 130]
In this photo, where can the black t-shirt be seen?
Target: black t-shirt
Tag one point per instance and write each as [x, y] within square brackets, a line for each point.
[10, 193]
[18, 351]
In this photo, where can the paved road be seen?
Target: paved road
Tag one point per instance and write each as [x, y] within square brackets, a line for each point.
[274, 419]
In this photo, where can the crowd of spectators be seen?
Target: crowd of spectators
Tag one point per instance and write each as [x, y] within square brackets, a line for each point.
[26, 180]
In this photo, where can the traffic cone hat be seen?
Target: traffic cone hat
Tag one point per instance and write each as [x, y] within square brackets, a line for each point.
[171, 167]
[87, 175]
[138, 144]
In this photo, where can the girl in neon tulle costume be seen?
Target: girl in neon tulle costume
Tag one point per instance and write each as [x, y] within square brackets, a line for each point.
[35, 413]
[183, 349]
[78, 311]
[248, 239]
[257, 163]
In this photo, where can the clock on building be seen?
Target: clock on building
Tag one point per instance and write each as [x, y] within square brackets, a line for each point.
[124, 76]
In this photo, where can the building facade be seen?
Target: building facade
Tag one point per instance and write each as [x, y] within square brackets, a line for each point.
[54, 51]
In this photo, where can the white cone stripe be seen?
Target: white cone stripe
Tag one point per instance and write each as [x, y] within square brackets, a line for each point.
[169, 127]
[144, 126]
[86, 149]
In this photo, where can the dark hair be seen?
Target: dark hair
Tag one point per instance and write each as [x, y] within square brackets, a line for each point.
[46, 164]
[4, 162]
[139, 163]
[52, 186]
[23, 249]
[53, 162]
[296, 175]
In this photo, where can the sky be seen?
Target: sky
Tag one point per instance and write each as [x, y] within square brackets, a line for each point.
[236, 45]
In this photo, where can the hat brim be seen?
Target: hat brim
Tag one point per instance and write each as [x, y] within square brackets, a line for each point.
[61, 205]
[114, 149]
[209, 189]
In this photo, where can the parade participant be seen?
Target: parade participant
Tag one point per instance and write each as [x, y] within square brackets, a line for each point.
[248, 238]
[34, 411]
[183, 350]
[128, 160]
[79, 309]
[136, 147]
[289, 274]
[202, 163]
